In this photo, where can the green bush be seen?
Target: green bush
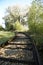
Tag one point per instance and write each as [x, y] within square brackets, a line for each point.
[1, 28]
[18, 26]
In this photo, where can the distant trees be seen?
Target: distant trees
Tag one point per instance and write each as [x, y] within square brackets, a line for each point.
[13, 14]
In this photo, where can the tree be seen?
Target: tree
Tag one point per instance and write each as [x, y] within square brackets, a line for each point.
[35, 20]
[34, 13]
[13, 14]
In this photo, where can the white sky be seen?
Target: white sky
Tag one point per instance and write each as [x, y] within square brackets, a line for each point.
[5, 3]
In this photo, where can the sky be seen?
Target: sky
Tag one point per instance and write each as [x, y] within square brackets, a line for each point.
[5, 3]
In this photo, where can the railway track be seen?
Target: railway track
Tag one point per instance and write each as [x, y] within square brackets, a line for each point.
[21, 50]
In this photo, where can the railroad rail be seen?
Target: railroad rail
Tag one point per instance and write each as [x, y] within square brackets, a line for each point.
[21, 50]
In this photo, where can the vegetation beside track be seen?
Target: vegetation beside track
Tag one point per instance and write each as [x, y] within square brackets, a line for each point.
[5, 35]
